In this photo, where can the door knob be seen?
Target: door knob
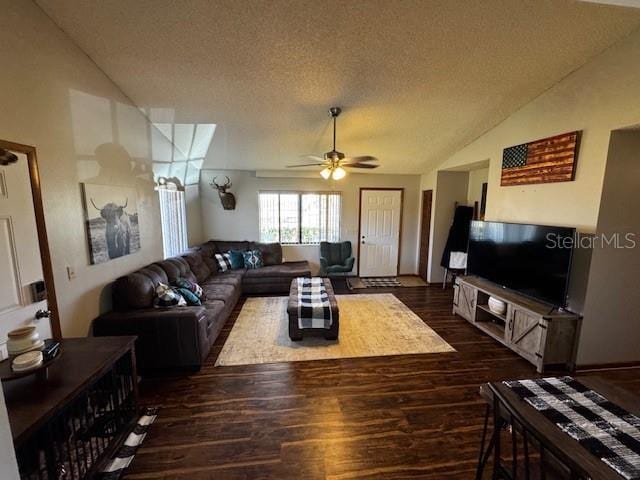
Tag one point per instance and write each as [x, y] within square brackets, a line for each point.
[43, 314]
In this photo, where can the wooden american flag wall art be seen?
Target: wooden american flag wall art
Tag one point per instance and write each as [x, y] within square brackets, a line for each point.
[549, 160]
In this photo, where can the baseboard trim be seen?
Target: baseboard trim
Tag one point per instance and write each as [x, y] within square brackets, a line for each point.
[607, 366]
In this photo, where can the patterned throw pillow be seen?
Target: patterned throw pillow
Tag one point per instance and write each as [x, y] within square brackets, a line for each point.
[189, 285]
[191, 298]
[237, 259]
[224, 261]
[252, 259]
[167, 297]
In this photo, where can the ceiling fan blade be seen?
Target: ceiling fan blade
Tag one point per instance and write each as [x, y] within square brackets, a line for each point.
[313, 157]
[317, 164]
[363, 158]
[359, 165]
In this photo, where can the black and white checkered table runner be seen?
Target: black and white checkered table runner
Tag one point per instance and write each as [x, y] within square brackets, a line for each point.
[605, 429]
[314, 308]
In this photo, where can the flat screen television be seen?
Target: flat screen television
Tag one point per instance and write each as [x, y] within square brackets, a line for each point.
[530, 259]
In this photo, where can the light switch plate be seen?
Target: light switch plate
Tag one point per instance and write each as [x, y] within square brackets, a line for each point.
[71, 272]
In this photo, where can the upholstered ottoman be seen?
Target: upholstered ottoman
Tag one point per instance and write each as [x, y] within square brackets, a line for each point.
[295, 332]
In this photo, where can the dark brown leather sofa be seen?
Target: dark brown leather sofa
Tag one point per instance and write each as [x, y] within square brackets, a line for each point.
[181, 337]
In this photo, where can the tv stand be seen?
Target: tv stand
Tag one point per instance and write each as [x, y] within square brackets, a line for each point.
[533, 330]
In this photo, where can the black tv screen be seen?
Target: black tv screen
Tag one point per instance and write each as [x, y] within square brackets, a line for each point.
[531, 259]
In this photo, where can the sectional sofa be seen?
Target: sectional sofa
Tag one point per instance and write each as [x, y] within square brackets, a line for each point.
[181, 337]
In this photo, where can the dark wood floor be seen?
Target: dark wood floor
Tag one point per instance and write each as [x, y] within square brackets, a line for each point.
[403, 417]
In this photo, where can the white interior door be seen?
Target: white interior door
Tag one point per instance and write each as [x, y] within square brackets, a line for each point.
[380, 212]
[20, 261]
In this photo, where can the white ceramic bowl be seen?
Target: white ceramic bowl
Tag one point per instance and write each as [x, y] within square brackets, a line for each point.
[497, 306]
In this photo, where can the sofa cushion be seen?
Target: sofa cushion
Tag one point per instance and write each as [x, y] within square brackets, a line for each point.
[214, 312]
[137, 290]
[271, 252]
[219, 291]
[197, 265]
[175, 268]
[231, 277]
[226, 245]
[284, 270]
[208, 250]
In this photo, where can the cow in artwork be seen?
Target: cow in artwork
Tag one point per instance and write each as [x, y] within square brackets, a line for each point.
[118, 228]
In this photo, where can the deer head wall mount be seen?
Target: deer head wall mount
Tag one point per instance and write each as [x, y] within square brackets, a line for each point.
[226, 198]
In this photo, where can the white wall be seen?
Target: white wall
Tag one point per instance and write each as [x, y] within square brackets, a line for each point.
[611, 325]
[85, 129]
[8, 464]
[194, 215]
[598, 98]
[242, 223]
[476, 179]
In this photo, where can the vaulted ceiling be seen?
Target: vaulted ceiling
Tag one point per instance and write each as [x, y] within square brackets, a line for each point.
[417, 80]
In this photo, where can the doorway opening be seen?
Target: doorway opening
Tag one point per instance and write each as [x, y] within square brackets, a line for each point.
[425, 234]
[466, 185]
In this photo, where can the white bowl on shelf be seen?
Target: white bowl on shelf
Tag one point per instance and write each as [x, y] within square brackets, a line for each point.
[497, 306]
[23, 339]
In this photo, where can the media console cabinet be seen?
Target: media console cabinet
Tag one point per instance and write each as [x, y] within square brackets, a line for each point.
[540, 334]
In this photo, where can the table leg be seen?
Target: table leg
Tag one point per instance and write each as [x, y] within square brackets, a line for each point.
[484, 454]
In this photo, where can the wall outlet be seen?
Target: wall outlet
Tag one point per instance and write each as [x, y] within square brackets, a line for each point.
[71, 272]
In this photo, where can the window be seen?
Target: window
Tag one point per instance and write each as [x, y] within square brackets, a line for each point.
[174, 222]
[299, 218]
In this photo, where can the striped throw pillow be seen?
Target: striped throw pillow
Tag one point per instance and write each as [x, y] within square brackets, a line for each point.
[224, 261]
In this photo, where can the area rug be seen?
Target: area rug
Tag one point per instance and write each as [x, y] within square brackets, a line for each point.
[387, 282]
[371, 325]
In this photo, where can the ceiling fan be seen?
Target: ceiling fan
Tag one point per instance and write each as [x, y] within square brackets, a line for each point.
[334, 162]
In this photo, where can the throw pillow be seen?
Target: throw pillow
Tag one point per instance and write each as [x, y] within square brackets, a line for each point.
[189, 285]
[191, 298]
[252, 259]
[237, 259]
[167, 296]
[224, 261]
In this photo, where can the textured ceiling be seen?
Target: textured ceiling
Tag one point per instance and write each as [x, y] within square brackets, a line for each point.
[417, 80]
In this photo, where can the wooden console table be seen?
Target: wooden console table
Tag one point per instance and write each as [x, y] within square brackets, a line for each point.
[64, 426]
[537, 332]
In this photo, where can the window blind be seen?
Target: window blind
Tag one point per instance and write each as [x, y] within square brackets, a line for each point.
[173, 216]
[299, 218]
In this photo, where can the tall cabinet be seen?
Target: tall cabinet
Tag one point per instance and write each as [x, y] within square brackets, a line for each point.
[542, 335]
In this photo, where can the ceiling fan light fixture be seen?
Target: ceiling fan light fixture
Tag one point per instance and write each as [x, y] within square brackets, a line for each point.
[326, 173]
[339, 173]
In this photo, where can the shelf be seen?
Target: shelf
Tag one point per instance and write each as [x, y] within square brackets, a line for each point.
[492, 329]
[497, 315]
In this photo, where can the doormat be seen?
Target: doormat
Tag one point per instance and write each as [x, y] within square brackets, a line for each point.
[123, 457]
[402, 281]
[381, 282]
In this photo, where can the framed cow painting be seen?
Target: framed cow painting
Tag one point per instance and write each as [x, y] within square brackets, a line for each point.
[111, 214]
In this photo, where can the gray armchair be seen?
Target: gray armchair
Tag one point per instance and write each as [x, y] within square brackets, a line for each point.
[335, 259]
